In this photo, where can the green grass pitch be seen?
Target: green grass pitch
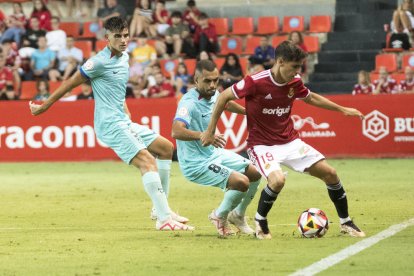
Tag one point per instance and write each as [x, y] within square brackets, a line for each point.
[93, 219]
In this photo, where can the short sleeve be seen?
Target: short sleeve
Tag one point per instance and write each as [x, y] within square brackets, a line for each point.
[243, 88]
[301, 91]
[184, 112]
[92, 68]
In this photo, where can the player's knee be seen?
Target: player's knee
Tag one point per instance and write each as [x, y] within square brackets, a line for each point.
[330, 176]
[145, 161]
[252, 173]
[244, 183]
[277, 184]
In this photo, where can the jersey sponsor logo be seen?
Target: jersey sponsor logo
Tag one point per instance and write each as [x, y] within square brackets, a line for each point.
[88, 65]
[318, 130]
[291, 93]
[240, 84]
[279, 111]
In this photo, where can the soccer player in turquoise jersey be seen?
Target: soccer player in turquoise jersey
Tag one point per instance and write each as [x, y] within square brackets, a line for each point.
[213, 165]
[133, 143]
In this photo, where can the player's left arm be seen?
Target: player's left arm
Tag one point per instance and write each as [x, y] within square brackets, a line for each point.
[234, 107]
[322, 102]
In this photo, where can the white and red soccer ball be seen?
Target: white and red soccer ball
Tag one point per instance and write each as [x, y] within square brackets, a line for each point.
[313, 223]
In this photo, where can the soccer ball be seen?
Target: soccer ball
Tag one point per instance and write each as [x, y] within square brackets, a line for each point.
[313, 223]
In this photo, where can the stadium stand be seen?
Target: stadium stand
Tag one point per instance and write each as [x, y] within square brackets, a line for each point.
[222, 25]
[320, 24]
[267, 25]
[389, 61]
[293, 23]
[242, 26]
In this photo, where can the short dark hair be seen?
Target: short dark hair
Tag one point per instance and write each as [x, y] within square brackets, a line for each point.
[207, 65]
[191, 3]
[115, 24]
[289, 52]
[176, 14]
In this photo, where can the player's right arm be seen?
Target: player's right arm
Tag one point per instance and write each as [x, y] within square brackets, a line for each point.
[75, 80]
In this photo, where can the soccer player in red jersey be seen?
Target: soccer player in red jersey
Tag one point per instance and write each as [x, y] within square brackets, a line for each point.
[407, 85]
[273, 141]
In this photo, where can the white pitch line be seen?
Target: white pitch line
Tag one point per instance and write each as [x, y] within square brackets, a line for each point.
[345, 253]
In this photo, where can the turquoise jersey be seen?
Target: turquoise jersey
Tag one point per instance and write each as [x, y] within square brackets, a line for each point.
[195, 112]
[109, 76]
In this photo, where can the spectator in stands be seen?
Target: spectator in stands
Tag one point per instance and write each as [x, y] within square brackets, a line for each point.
[162, 88]
[142, 20]
[6, 75]
[161, 17]
[13, 61]
[144, 55]
[205, 36]
[9, 94]
[399, 40]
[179, 79]
[407, 85]
[41, 12]
[148, 80]
[42, 60]
[86, 93]
[364, 86]
[297, 39]
[2, 22]
[16, 23]
[385, 84]
[191, 14]
[56, 38]
[203, 55]
[256, 68]
[177, 38]
[111, 9]
[231, 71]
[43, 93]
[32, 34]
[263, 54]
[69, 58]
[403, 17]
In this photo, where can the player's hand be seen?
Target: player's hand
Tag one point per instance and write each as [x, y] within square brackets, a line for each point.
[217, 140]
[353, 112]
[36, 109]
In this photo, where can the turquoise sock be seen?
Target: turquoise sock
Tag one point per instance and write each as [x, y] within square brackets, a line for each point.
[152, 185]
[241, 208]
[164, 169]
[231, 199]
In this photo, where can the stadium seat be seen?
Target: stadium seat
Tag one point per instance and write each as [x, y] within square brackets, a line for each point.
[387, 60]
[251, 43]
[191, 65]
[100, 44]
[392, 50]
[398, 76]
[89, 29]
[407, 60]
[276, 40]
[311, 43]
[242, 26]
[293, 23]
[243, 63]
[85, 46]
[222, 25]
[71, 28]
[267, 25]
[167, 66]
[231, 45]
[219, 62]
[320, 24]
[373, 76]
[28, 90]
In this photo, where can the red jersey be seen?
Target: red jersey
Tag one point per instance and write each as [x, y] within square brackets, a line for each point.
[156, 89]
[406, 85]
[210, 32]
[44, 19]
[388, 87]
[268, 107]
[189, 20]
[6, 76]
[363, 89]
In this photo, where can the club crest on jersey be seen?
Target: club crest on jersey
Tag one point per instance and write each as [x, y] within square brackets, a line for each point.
[183, 111]
[89, 65]
[291, 93]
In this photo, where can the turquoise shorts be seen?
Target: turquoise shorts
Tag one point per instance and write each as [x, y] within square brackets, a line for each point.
[216, 172]
[127, 140]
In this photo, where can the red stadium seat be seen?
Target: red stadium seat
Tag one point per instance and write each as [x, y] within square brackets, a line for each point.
[231, 45]
[88, 30]
[251, 44]
[71, 28]
[167, 66]
[398, 77]
[267, 25]
[242, 26]
[85, 46]
[387, 60]
[392, 50]
[320, 24]
[373, 76]
[407, 60]
[28, 90]
[243, 63]
[276, 40]
[100, 44]
[293, 23]
[311, 43]
[222, 25]
[219, 62]
[191, 65]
